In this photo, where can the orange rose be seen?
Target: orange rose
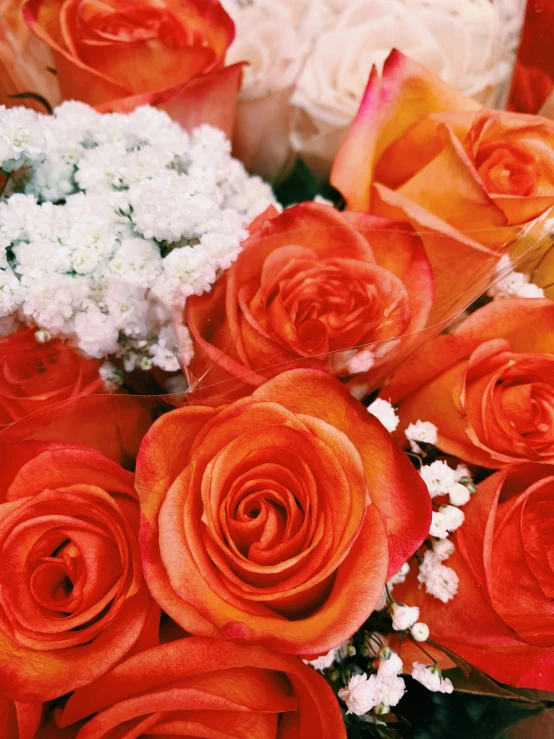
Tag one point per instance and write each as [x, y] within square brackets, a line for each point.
[276, 519]
[72, 597]
[211, 688]
[24, 60]
[118, 55]
[19, 720]
[423, 142]
[488, 386]
[502, 618]
[33, 375]
[312, 288]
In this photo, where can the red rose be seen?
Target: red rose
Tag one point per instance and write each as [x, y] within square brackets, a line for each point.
[502, 618]
[72, 597]
[312, 288]
[33, 375]
[210, 688]
[278, 518]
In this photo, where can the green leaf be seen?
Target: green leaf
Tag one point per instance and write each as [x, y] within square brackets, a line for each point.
[302, 185]
[36, 97]
[464, 666]
[481, 684]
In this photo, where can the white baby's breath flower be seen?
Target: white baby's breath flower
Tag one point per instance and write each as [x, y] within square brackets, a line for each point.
[420, 631]
[431, 677]
[443, 548]
[453, 517]
[438, 527]
[384, 412]
[111, 376]
[361, 694]
[514, 285]
[323, 662]
[458, 494]
[439, 580]
[403, 616]
[438, 477]
[423, 431]
[21, 138]
[462, 473]
[12, 292]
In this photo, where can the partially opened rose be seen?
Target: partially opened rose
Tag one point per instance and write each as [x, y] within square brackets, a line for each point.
[276, 519]
[488, 386]
[34, 375]
[72, 597]
[502, 618]
[473, 167]
[208, 688]
[311, 288]
[168, 53]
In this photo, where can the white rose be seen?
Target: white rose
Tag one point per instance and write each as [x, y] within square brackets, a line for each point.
[460, 40]
[268, 39]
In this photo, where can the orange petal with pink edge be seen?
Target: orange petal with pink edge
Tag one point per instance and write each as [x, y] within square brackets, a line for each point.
[392, 104]
[209, 98]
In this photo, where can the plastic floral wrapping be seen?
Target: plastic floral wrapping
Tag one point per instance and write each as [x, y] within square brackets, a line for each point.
[375, 291]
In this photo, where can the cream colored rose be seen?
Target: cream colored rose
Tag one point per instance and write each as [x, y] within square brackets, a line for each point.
[268, 38]
[461, 40]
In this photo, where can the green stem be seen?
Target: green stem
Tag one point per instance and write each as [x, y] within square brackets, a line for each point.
[418, 644]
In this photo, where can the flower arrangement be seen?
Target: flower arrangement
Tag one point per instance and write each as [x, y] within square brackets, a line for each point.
[275, 465]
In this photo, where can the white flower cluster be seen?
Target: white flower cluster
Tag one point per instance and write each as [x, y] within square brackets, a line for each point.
[384, 412]
[379, 691]
[439, 580]
[423, 431]
[443, 480]
[113, 222]
[431, 677]
[509, 284]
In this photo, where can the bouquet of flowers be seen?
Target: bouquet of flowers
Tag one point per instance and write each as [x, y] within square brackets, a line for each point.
[274, 464]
